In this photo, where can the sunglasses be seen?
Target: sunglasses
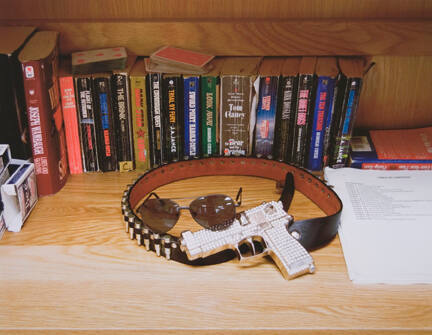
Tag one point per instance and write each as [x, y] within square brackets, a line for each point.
[214, 211]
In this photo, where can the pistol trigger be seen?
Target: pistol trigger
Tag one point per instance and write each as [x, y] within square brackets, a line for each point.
[252, 246]
[239, 254]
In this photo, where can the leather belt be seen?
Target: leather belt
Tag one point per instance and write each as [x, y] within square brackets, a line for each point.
[311, 233]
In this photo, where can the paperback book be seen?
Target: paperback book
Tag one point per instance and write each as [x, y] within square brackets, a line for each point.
[191, 117]
[285, 112]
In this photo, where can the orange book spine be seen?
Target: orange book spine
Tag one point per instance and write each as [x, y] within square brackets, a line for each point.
[70, 117]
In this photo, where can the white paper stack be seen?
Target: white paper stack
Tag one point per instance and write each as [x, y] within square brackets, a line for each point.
[386, 224]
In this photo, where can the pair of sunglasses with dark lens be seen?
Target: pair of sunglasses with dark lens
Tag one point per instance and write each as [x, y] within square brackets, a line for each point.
[214, 211]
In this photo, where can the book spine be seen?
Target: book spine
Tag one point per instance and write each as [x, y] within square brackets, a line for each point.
[70, 116]
[391, 165]
[209, 95]
[140, 122]
[236, 93]
[87, 123]
[324, 96]
[104, 125]
[285, 118]
[154, 105]
[46, 124]
[121, 111]
[172, 118]
[330, 121]
[305, 104]
[265, 117]
[343, 137]
[191, 117]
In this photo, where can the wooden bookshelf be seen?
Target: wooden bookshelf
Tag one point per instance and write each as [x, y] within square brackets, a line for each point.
[73, 270]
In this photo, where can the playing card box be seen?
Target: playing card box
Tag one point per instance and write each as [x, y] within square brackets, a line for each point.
[100, 60]
[19, 194]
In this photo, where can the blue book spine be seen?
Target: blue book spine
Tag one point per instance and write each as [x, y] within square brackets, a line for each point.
[265, 118]
[191, 117]
[323, 104]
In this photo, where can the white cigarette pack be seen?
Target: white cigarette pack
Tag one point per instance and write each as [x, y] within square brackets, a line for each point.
[19, 195]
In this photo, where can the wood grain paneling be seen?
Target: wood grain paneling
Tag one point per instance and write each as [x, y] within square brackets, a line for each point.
[397, 93]
[250, 38]
[198, 9]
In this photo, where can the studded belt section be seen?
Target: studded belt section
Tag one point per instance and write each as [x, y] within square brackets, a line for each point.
[312, 233]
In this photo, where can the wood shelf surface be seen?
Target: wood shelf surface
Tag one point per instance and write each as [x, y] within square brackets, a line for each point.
[73, 269]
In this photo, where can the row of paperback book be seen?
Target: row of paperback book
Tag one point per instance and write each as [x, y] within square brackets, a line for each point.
[295, 109]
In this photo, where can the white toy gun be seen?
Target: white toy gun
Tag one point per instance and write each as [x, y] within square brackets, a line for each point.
[264, 230]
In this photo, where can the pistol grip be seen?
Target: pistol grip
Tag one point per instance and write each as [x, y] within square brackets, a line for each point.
[289, 255]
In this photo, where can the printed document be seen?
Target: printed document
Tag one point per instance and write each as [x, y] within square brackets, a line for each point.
[386, 224]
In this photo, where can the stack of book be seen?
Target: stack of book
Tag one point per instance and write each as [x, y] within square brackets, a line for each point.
[399, 149]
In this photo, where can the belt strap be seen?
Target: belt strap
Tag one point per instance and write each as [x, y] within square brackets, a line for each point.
[311, 233]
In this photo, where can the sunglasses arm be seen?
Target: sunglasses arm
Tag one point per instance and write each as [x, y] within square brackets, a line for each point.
[150, 195]
[239, 197]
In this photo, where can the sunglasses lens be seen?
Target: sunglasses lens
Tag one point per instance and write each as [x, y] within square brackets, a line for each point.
[217, 209]
[159, 214]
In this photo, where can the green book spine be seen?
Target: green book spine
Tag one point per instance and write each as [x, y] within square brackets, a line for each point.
[140, 122]
[209, 99]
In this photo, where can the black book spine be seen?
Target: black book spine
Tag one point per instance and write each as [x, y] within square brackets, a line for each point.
[302, 123]
[122, 117]
[104, 124]
[154, 103]
[87, 123]
[172, 118]
[285, 118]
[345, 123]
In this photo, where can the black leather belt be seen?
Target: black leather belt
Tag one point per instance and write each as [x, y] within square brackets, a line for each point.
[311, 233]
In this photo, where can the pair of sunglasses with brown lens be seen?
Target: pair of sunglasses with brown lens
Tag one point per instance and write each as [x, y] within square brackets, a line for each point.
[214, 211]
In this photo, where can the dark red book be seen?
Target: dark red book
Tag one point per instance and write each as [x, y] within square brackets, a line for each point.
[39, 62]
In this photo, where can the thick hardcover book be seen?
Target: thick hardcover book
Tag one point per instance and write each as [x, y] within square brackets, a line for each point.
[122, 116]
[70, 117]
[138, 80]
[237, 77]
[13, 125]
[304, 110]
[191, 117]
[39, 59]
[105, 123]
[87, 124]
[326, 71]
[154, 107]
[400, 149]
[210, 92]
[172, 118]
[285, 113]
[269, 77]
[352, 68]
